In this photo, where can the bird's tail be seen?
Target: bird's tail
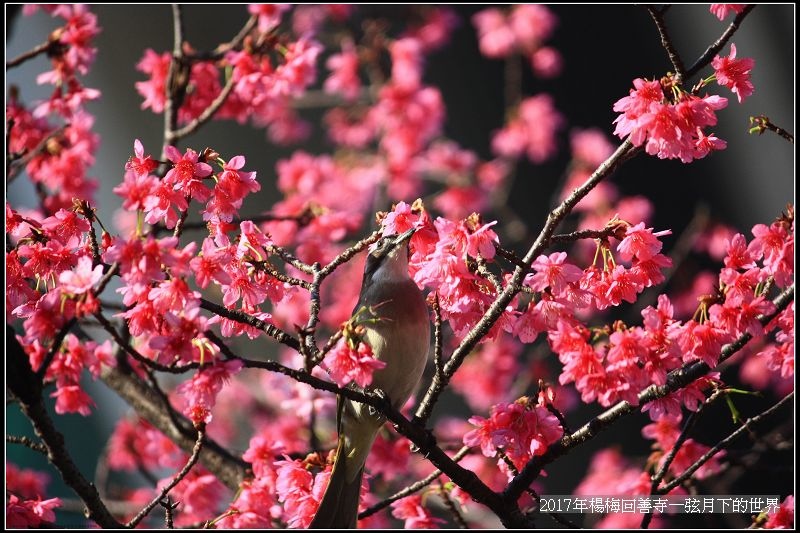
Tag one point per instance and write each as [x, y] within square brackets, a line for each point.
[339, 506]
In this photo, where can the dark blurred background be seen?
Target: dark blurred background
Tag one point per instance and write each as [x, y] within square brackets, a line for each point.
[604, 49]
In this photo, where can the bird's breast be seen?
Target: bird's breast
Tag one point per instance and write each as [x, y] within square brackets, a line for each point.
[400, 337]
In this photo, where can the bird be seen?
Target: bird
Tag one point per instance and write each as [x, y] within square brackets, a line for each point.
[399, 335]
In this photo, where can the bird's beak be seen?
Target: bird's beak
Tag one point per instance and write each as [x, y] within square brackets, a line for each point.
[404, 237]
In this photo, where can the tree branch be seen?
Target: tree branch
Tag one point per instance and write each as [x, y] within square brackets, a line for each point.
[228, 469]
[717, 45]
[677, 379]
[675, 58]
[273, 331]
[746, 426]
[42, 48]
[171, 485]
[26, 386]
[624, 152]
[411, 489]
[27, 442]
[207, 114]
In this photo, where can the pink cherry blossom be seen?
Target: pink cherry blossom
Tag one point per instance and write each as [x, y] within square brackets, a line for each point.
[30, 513]
[269, 15]
[734, 73]
[722, 10]
[407, 65]
[83, 278]
[346, 363]
[415, 515]
[200, 392]
[344, 78]
[66, 226]
[140, 164]
[640, 242]
[783, 518]
[495, 36]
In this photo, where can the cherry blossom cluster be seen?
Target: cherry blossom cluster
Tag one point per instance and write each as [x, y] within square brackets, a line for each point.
[351, 358]
[55, 139]
[388, 145]
[25, 507]
[515, 431]
[267, 73]
[670, 122]
[524, 30]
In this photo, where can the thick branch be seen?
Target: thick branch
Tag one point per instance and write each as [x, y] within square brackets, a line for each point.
[27, 388]
[228, 469]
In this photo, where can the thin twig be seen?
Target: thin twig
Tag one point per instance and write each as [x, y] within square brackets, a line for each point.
[30, 54]
[171, 485]
[283, 278]
[233, 44]
[717, 45]
[746, 426]
[411, 489]
[51, 354]
[451, 506]
[207, 114]
[239, 316]
[178, 230]
[670, 457]
[349, 253]
[303, 219]
[437, 336]
[169, 507]
[28, 442]
[136, 355]
[762, 123]
[89, 214]
[604, 233]
[308, 346]
[177, 79]
[289, 259]
[14, 164]
[675, 58]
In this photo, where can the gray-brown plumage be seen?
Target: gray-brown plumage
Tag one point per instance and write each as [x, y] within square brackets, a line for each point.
[399, 336]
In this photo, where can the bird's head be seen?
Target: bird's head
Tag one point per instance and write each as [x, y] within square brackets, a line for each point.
[388, 260]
